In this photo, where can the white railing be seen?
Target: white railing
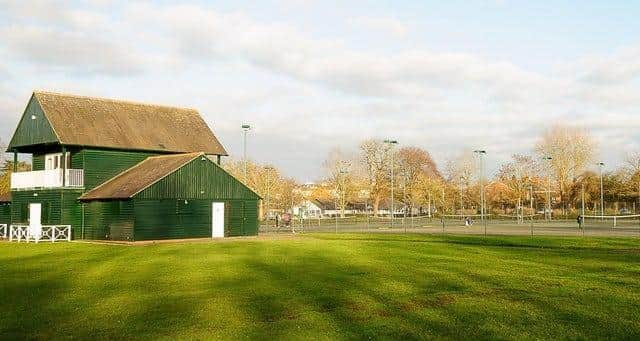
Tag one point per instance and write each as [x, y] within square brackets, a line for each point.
[52, 233]
[50, 178]
[3, 231]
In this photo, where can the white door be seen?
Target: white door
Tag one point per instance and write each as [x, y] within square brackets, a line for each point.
[217, 220]
[35, 220]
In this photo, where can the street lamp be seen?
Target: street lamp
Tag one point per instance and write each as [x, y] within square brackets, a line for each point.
[547, 214]
[601, 165]
[245, 128]
[344, 165]
[391, 143]
[481, 153]
[461, 195]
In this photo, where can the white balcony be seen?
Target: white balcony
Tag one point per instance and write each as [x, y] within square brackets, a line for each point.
[51, 178]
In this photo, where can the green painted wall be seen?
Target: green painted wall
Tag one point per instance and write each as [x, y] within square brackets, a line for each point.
[59, 206]
[200, 183]
[99, 165]
[108, 220]
[102, 165]
[5, 213]
[171, 218]
[37, 163]
[241, 218]
[178, 206]
[33, 131]
[199, 179]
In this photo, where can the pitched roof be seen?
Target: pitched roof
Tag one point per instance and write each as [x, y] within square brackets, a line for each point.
[99, 122]
[325, 204]
[137, 178]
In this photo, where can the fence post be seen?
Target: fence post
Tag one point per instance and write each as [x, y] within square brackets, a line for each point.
[52, 234]
[532, 225]
[68, 233]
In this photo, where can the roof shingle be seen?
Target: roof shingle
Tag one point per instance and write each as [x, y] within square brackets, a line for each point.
[133, 180]
[99, 122]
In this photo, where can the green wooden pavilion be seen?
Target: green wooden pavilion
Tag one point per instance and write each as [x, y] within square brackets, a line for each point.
[120, 170]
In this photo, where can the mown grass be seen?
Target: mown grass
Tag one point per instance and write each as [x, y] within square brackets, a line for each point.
[323, 286]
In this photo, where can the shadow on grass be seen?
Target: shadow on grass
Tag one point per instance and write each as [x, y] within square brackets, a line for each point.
[629, 244]
[404, 287]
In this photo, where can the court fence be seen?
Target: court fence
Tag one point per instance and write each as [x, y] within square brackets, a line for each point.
[462, 224]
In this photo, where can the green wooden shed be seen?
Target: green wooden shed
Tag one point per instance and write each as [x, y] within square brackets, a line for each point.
[5, 208]
[121, 170]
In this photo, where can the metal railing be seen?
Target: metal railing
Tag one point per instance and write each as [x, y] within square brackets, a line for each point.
[52, 233]
[3, 231]
[50, 178]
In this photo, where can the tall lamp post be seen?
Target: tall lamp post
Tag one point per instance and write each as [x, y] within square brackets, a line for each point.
[245, 128]
[461, 195]
[601, 165]
[481, 153]
[391, 143]
[547, 214]
[343, 171]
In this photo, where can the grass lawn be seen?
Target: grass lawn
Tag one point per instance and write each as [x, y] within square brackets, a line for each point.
[347, 286]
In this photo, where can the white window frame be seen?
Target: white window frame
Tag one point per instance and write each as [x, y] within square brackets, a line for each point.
[54, 161]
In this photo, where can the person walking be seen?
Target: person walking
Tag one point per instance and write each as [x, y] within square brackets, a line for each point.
[579, 220]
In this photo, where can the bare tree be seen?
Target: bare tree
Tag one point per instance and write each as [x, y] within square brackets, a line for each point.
[571, 149]
[339, 169]
[461, 174]
[375, 159]
[632, 170]
[414, 164]
[518, 175]
[277, 191]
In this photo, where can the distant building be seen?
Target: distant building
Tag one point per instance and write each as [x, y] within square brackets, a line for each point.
[318, 208]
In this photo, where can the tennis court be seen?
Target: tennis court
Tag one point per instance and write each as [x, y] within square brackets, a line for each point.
[610, 226]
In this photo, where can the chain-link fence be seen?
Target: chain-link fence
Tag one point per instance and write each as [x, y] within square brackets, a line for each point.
[452, 224]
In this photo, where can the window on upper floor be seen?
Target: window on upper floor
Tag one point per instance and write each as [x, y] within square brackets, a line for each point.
[54, 161]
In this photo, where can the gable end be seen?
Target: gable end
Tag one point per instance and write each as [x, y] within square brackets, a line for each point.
[34, 128]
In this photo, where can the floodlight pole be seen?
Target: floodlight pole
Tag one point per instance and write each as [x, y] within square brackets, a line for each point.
[391, 143]
[582, 200]
[343, 173]
[481, 153]
[547, 214]
[461, 200]
[245, 128]
[601, 165]
[531, 206]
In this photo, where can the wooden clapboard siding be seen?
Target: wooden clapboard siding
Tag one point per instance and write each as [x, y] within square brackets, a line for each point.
[102, 165]
[108, 220]
[34, 128]
[59, 207]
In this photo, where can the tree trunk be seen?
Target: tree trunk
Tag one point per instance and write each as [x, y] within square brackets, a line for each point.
[376, 204]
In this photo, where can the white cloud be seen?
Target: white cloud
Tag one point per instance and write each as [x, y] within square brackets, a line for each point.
[385, 25]
[308, 93]
[621, 67]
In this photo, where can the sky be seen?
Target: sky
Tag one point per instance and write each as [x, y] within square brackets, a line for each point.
[310, 76]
